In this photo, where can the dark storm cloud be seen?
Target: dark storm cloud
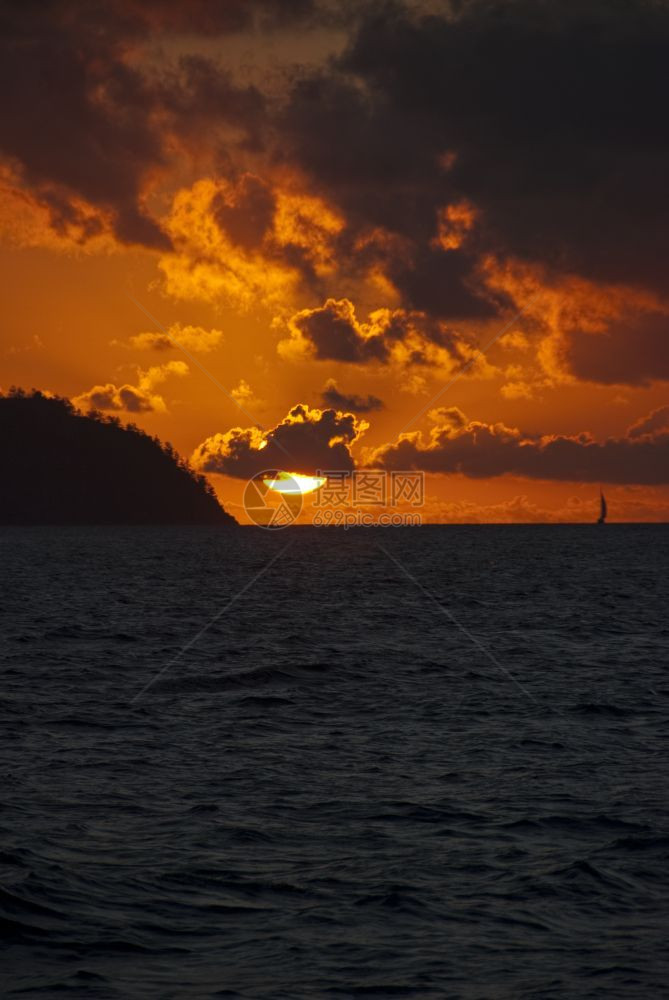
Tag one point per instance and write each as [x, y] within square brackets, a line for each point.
[225, 17]
[547, 117]
[305, 441]
[198, 95]
[551, 116]
[480, 450]
[554, 112]
[331, 396]
[68, 129]
[247, 215]
[632, 351]
[381, 165]
[135, 19]
[85, 123]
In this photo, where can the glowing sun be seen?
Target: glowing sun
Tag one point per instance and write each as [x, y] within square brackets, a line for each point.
[291, 482]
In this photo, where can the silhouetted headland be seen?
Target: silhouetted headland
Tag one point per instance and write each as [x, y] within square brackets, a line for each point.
[61, 467]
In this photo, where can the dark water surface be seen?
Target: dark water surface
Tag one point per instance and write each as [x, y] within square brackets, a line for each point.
[335, 792]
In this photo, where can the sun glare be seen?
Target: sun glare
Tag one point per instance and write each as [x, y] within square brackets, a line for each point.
[290, 482]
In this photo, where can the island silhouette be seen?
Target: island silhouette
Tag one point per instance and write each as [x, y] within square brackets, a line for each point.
[60, 466]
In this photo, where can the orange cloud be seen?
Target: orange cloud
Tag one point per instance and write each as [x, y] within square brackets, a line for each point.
[244, 395]
[454, 222]
[193, 338]
[139, 398]
[28, 221]
[308, 224]
[246, 243]
[601, 333]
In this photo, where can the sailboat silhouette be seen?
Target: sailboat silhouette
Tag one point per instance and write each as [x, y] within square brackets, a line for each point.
[602, 508]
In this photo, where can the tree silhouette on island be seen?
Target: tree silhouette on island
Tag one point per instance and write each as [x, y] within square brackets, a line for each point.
[62, 467]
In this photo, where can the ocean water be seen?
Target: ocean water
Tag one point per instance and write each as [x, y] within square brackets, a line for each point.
[398, 763]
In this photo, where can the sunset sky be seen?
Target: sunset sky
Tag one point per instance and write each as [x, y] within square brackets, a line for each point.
[332, 206]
